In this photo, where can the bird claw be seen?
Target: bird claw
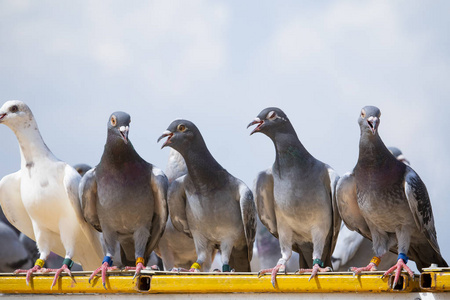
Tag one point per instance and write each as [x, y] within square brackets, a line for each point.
[316, 268]
[103, 268]
[29, 272]
[398, 267]
[274, 272]
[370, 267]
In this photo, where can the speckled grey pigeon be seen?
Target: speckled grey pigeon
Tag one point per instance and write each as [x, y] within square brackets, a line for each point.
[352, 249]
[209, 204]
[124, 197]
[386, 201]
[176, 249]
[41, 199]
[296, 197]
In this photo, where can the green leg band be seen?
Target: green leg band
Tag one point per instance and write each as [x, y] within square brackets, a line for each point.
[226, 268]
[68, 262]
[318, 262]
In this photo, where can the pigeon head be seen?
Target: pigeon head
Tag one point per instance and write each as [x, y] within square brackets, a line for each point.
[180, 135]
[270, 120]
[369, 120]
[119, 126]
[15, 112]
[82, 168]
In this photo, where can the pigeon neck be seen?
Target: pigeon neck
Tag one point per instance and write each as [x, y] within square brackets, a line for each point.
[31, 144]
[201, 165]
[372, 151]
[117, 152]
[289, 150]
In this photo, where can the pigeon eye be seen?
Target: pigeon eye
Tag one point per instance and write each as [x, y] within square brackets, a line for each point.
[181, 128]
[14, 108]
[113, 121]
[271, 115]
[363, 114]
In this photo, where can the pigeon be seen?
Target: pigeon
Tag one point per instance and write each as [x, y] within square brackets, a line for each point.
[296, 198]
[125, 198]
[176, 249]
[386, 201]
[353, 249]
[82, 168]
[209, 204]
[13, 254]
[41, 199]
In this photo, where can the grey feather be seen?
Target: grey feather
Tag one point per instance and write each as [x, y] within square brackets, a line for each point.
[386, 201]
[208, 202]
[124, 196]
[296, 185]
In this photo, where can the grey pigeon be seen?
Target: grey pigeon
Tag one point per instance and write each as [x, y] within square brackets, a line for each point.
[125, 198]
[386, 201]
[176, 248]
[41, 199]
[352, 249]
[209, 204]
[13, 254]
[296, 197]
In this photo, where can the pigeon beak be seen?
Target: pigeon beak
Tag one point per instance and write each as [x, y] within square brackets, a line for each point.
[257, 128]
[373, 124]
[165, 134]
[124, 133]
[2, 116]
[403, 159]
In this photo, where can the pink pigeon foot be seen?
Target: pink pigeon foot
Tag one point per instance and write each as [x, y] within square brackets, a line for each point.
[370, 267]
[274, 271]
[64, 268]
[29, 272]
[139, 267]
[316, 268]
[398, 267]
[103, 268]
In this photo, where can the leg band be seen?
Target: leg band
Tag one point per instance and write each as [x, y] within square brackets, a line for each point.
[226, 268]
[403, 256]
[68, 262]
[39, 262]
[196, 266]
[319, 262]
[139, 260]
[375, 260]
[108, 260]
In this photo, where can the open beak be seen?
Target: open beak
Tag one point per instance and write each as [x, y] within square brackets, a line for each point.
[2, 116]
[165, 134]
[257, 128]
[373, 124]
[124, 133]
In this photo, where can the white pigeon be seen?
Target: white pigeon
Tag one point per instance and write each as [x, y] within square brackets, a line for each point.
[41, 199]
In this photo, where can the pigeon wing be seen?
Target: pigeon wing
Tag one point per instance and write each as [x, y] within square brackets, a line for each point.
[264, 199]
[89, 199]
[177, 205]
[12, 205]
[420, 205]
[159, 185]
[248, 212]
[334, 178]
[348, 205]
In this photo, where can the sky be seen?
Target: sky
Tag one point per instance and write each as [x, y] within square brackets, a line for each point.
[219, 63]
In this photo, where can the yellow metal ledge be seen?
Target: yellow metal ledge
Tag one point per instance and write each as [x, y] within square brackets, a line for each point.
[183, 283]
[435, 279]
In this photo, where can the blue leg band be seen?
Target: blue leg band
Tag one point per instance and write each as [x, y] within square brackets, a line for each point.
[108, 260]
[403, 256]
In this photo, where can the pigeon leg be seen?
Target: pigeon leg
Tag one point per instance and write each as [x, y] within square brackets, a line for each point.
[67, 265]
[139, 266]
[106, 263]
[225, 252]
[318, 266]
[372, 266]
[280, 267]
[398, 267]
[37, 267]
